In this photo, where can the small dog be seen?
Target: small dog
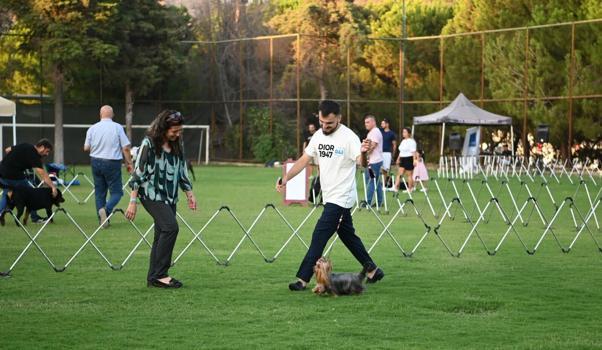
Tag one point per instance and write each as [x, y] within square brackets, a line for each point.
[30, 199]
[337, 283]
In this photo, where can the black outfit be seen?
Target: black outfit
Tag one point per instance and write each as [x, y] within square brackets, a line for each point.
[334, 219]
[21, 157]
[407, 163]
[166, 232]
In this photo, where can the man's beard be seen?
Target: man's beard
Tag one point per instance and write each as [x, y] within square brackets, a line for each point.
[333, 130]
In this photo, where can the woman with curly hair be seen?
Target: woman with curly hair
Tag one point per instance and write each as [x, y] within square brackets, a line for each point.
[159, 170]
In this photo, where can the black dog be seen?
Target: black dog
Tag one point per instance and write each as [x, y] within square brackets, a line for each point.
[30, 199]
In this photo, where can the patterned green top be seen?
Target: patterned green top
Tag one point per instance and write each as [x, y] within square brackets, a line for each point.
[157, 178]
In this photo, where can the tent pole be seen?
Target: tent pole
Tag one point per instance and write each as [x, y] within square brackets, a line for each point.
[14, 129]
[512, 139]
[442, 139]
[412, 130]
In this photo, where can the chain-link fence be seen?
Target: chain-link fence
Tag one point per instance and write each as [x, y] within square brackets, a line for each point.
[257, 94]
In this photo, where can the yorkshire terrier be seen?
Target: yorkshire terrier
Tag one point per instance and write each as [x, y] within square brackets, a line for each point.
[337, 283]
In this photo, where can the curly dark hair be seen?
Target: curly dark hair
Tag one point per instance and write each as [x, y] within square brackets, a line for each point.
[158, 129]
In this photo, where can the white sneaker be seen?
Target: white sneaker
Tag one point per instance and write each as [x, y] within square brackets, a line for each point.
[102, 212]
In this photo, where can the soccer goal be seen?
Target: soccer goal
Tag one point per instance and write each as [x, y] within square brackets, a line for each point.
[202, 130]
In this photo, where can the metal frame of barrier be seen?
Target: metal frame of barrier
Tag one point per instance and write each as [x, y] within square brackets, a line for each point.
[485, 200]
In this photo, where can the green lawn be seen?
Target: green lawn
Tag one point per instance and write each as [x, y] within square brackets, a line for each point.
[549, 300]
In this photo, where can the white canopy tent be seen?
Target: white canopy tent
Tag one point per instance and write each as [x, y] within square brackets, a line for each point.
[8, 109]
[462, 111]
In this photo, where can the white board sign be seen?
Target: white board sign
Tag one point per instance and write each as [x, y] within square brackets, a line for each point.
[297, 187]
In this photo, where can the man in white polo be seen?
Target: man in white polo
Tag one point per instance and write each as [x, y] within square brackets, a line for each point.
[337, 150]
[108, 145]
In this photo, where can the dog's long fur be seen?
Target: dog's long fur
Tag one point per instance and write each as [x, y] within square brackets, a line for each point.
[28, 199]
[337, 283]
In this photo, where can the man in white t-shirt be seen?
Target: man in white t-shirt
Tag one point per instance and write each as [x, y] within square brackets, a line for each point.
[375, 161]
[337, 150]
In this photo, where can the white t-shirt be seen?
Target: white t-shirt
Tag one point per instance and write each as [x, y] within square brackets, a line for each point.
[407, 147]
[376, 156]
[336, 154]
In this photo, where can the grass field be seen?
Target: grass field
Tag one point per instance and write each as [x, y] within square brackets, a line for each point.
[549, 300]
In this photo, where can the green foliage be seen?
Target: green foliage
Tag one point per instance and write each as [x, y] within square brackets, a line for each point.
[548, 61]
[148, 36]
[329, 29]
[267, 145]
[422, 58]
[19, 70]
[135, 43]
[67, 33]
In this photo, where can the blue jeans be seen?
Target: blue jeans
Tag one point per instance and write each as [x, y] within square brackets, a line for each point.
[8, 183]
[334, 219]
[370, 183]
[107, 177]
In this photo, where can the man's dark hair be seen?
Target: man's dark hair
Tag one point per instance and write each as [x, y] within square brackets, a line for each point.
[369, 116]
[44, 143]
[329, 106]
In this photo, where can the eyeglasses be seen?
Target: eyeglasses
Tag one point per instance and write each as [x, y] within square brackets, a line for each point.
[175, 117]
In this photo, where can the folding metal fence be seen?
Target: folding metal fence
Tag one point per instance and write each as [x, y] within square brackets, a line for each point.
[471, 202]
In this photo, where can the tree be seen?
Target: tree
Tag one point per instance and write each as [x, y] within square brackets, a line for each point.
[421, 57]
[548, 60]
[328, 28]
[68, 35]
[148, 36]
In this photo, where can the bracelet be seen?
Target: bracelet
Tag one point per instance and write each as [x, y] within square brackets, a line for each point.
[133, 200]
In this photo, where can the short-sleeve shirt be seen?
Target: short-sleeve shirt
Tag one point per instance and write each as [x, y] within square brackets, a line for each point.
[407, 147]
[336, 154]
[388, 138]
[21, 157]
[377, 153]
[106, 140]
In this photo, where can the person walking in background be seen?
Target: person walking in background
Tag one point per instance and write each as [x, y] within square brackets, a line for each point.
[19, 158]
[375, 160]
[389, 148]
[406, 160]
[337, 150]
[108, 145]
[311, 130]
[160, 169]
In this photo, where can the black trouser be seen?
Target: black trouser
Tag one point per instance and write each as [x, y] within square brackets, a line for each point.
[334, 219]
[166, 232]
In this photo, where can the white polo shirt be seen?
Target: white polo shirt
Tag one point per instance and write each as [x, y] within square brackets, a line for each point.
[336, 154]
[106, 140]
